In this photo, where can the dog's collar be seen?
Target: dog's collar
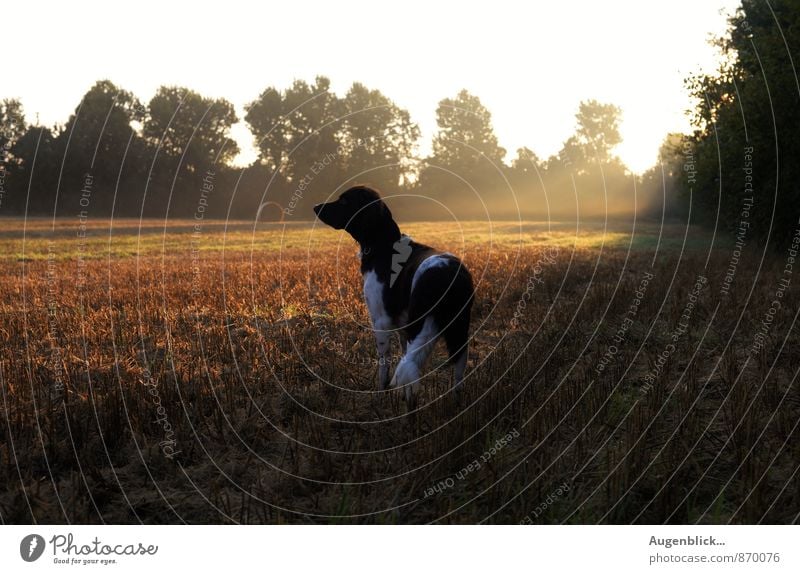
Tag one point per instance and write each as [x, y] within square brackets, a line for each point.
[368, 250]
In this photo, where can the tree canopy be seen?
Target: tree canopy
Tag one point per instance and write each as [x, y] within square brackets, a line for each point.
[153, 159]
[747, 114]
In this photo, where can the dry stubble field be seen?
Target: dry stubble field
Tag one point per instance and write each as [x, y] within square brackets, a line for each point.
[166, 375]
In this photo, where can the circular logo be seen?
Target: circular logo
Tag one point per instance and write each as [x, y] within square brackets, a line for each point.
[31, 547]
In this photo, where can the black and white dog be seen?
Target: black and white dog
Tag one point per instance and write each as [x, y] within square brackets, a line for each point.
[419, 292]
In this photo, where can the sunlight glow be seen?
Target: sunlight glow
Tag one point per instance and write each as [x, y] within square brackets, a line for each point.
[531, 64]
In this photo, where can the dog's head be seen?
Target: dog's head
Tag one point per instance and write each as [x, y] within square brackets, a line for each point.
[362, 213]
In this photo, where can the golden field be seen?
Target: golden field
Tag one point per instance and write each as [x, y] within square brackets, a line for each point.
[159, 372]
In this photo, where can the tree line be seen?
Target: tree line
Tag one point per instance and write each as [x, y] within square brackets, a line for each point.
[155, 159]
[172, 155]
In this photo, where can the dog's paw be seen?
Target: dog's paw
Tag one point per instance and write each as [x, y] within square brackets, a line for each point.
[406, 374]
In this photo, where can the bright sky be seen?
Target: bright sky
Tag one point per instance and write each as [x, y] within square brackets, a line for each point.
[531, 63]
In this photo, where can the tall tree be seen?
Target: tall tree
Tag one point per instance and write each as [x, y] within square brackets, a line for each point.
[265, 116]
[298, 135]
[34, 178]
[590, 180]
[102, 122]
[12, 126]
[748, 112]
[526, 162]
[313, 120]
[377, 138]
[596, 134]
[465, 171]
[92, 146]
[598, 129]
[190, 138]
[465, 133]
[181, 122]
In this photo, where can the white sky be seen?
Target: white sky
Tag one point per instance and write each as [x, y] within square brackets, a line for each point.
[531, 63]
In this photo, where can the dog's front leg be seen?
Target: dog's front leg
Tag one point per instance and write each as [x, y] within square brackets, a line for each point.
[382, 340]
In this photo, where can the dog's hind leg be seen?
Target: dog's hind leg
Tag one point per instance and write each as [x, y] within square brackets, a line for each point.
[457, 338]
[409, 370]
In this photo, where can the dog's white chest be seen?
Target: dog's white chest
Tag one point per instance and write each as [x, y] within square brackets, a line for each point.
[373, 295]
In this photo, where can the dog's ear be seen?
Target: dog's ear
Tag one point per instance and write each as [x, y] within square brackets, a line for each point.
[387, 222]
[386, 213]
[375, 207]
